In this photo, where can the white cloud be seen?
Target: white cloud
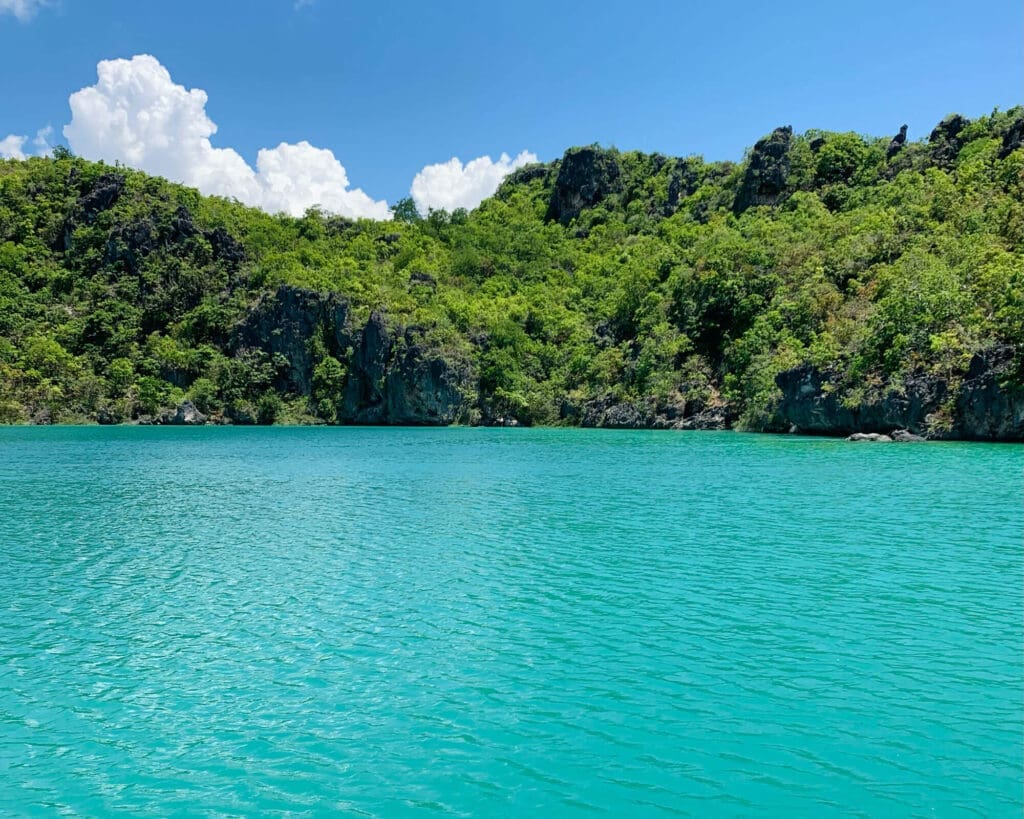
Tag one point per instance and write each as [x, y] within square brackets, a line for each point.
[291, 174]
[22, 9]
[138, 115]
[12, 146]
[450, 185]
[42, 140]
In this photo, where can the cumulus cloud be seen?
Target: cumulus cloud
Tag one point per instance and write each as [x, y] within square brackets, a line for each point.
[12, 146]
[138, 115]
[42, 140]
[22, 9]
[450, 185]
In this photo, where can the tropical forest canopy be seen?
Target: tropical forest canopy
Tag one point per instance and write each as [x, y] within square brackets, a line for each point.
[605, 276]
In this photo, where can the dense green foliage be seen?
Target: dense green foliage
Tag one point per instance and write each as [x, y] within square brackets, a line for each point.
[661, 288]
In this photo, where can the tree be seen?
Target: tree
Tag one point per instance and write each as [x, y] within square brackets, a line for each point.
[405, 211]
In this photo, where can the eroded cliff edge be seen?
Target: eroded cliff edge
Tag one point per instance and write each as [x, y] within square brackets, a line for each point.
[374, 372]
[982, 403]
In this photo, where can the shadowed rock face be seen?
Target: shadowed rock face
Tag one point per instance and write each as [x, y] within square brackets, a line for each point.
[680, 413]
[102, 196]
[812, 401]
[285, 323]
[186, 414]
[394, 379]
[130, 243]
[764, 182]
[1013, 138]
[896, 143]
[681, 183]
[983, 406]
[226, 248]
[944, 139]
[986, 409]
[586, 176]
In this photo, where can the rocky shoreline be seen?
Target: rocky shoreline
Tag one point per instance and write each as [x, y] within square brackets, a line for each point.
[390, 375]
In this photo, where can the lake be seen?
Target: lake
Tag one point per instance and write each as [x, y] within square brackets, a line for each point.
[479, 622]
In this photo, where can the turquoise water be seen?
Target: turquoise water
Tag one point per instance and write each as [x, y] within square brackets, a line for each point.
[508, 623]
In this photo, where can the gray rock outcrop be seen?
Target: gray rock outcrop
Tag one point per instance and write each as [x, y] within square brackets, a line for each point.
[396, 379]
[985, 403]
[896, 143]
[392, 375]
[284, 324]
[679, 413]
[185, 414]
[905, 436]
[1013, 138]
[872, 437]
[944, 140]
[989, 406]
[767, 173]
[585, 177]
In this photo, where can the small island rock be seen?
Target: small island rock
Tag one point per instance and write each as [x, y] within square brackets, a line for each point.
[873, 437]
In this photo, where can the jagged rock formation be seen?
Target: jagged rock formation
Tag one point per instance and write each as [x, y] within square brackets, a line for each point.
[102, 195]
[682, 183]
[764, 182]
[185, 414]
[897, 143]
[944, 139]
[284, 325]
[392, 376]
[979, 406]
[1013, 139]
[226, 248]
[585, 177]
[681, 413]
[132, 242]
[395, 379]
[987, 409]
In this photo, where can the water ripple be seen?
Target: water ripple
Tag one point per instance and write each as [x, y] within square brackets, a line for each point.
[507, 622]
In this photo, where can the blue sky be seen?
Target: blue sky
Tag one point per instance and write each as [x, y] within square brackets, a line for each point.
[390, 87]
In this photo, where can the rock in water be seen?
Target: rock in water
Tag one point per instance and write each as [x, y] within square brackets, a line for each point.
[186, 414]
[905, 436]
[873, 437]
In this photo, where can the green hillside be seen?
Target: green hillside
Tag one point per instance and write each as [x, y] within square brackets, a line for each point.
[827, 282]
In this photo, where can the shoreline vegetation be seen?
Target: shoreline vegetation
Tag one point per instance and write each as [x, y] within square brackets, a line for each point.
[827, 284]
